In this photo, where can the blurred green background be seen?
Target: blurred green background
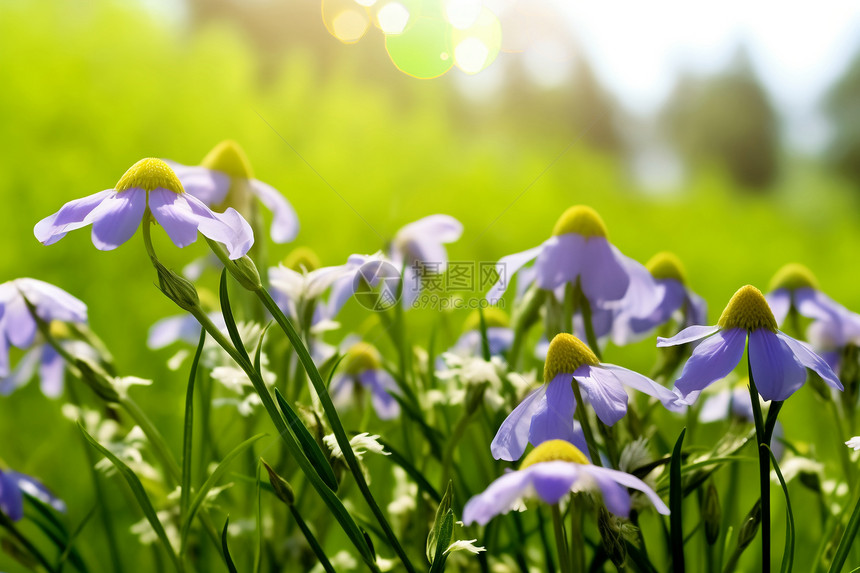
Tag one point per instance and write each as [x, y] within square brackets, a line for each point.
[88, 88]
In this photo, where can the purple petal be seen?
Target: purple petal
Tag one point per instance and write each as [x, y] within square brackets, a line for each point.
[697, 309]
[4, 350]
[174, 214]
[553, 480]
[208, 185]
[776, 371]
[380, 384]
[513, 435]
[341, 390]
[553, 419]
[506, 268]
[285, 222]
[811, 360]
[605, 277]
[716, 407]
[51, 302]
[603, 391]
[19, 324]
[560, 261]
[615, 496]
[73, 215]
[689, 334]
[228, 227]
[629, 481]
[779, 302]
[116, 218]
[22, 373]
[712, 360]
[34, 488]
[51, 372]
[672, 297]
[443, 228]
[498, 498]
[639, 382]
[11, 500]
[168, 330]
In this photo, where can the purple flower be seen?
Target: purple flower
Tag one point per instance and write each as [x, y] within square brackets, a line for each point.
[794, 289]
[778, 362]
[224, 178]
[362, 368]
[632, 322]
[14, 485]
[418, 249]
[376, 270]
[17, 325]
[547, 412]
[182, 327]
[499, 334]
[578, 251]
[148, 188]
[552, 470]
[297, 283]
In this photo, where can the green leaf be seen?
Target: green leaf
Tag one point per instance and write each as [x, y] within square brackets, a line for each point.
[676, 498]
[788, 553]
[139, 494]
[229, 320]
[200, 495]
[485, 340]
[446, 533]
[312, 541]
[847, 540]
[227, 559]
[435, 535]
[70, 552]
[309, 445]
[188, 430]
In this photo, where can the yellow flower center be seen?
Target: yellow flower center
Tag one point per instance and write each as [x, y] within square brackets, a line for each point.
[493, 318]
[302, 258]
[59, 330]
[666, 265]
[362, 357]
[581, 220]
[228, 158]
[793, 276]
[749, 310]
[554, 451]
[150, 174]
[566, 353]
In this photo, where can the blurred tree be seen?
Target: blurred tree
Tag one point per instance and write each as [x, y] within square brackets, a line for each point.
[727, 119]
[843, 107]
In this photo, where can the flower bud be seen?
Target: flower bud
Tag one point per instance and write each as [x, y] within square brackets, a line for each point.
[613, 541]
[711, 514]
[749, 529]
[245, 272]
[178, 289]
[100, 383]
[282, 487]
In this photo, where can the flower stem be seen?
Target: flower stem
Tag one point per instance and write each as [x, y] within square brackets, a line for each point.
[763, 441]
[577, 545]
[585, 309]
[560, 540]
[582, 417]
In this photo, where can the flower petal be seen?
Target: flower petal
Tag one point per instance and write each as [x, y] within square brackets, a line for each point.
[498, 498]
[505, 269]
[776, 371]
[51, 302]
[553, 480]
[560, 261]
[779, 302]
[642, 383]
[712, 360]
[811, 360]
[208, 185]
[168, 330]
[34, 488]
[174, 214]
[19, 324]
[52, 371]
[553, 419]
[11, 500]
[631, 482]
[605, 275]
[228, 227]
[380, 384]
[513, 435]
[116, 218]
[689, 334]
[603, 391]
[716, 407]
[285, 222]
[73, 215]
[22, 373]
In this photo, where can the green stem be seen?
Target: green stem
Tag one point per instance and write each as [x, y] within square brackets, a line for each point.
[844, 457]
[560, 540]
[764, 470]
[7, 524]
[577, 545]
[582, 417]
[585, 308]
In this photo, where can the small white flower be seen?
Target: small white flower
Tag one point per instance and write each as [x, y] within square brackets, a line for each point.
[175, 362]
[122, 383]
[465, 545]
[405, 493]
[854, 443]
[796, 465]
[361, 444]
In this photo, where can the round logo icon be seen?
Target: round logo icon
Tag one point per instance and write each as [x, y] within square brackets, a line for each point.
[376, 285]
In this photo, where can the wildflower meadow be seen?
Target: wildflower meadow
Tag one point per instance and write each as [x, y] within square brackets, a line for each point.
[282, 307]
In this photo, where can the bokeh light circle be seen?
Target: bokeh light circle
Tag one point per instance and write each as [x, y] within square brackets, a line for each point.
[424, 49]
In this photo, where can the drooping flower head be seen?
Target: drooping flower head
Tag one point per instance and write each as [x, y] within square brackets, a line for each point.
[297, 285]
[225, 179]
[778, 362]
[499, 334]
[547, 412]
[362, 368]
[675, 299]
[418, 250]
[552, 470]
[149, 186]
[14, 485]
[794, 289]
[18, 327]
